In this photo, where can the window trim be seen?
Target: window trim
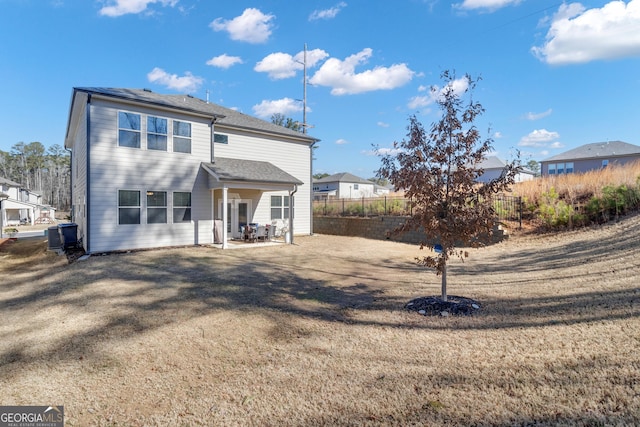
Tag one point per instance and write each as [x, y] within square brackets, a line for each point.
[150, 208]
[130, 130]
[166, 135]
[130, 207]
[185, 207]
[283, 207]
[182, 137]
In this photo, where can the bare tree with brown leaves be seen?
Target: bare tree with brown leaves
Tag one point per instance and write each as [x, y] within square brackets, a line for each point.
[439, 170]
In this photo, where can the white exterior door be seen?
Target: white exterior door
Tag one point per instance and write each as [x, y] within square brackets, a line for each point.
[238, 215]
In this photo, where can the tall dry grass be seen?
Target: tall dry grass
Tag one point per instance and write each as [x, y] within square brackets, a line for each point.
[578, 188]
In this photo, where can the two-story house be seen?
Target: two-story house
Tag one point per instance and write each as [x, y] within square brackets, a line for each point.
[23, 206]
[155, 170]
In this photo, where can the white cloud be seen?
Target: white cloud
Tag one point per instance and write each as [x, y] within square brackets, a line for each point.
[327, 13]
[386, 151]
[285, 106]
[578, 35]
[383, 124]
[252, 26]
[556, 145]
[278, 65]
[281, 65]
[341, 141]
[224, 61]
[490, 5]
[538, 116]
[459, 86]
[116, 8]
[187, 83]
[497, 135]
[539, 138]
[343, 79]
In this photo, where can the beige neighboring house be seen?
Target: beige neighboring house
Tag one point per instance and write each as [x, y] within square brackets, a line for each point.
[590, 157]
[155, 170]
[23, 206]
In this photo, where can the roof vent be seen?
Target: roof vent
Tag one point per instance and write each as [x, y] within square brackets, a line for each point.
[146, 89]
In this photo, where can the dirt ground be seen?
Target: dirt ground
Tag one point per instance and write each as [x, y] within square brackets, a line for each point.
[316, 334]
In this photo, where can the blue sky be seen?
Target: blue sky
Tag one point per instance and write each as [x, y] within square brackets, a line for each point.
[555, 75]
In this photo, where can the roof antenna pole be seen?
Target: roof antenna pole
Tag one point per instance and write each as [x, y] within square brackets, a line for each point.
[207, 96]
[304, 92]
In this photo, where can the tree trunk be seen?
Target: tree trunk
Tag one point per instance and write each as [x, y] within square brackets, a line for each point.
[444, 281]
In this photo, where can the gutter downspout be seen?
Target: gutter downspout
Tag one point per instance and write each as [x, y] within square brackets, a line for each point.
[291, 204]
[213, 192]
[87, 231]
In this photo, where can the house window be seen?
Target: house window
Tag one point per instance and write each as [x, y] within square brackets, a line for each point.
[181, 206]
[552, 168]
[156, 133]
[355, 186]
[181, 137]
[560, 168]
[568, 167]
[605, 163]
[128, 130]
[156, 207]
[128, 207]
[279, 207]
[220, 139]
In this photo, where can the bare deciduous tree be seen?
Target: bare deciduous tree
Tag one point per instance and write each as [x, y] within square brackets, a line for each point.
[439, 170]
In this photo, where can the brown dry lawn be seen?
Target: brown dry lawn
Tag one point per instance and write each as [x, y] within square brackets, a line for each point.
[315, 334]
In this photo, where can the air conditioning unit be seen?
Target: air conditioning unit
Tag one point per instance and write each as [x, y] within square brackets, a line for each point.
[54, 238]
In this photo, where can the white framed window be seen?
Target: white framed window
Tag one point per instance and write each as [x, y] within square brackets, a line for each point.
[181, 206]
[568, 167]
[181, 137]
[156, 207]
[128, 207]
[279, 207]
[220, 138]
[156, 133]
[551, 169]
[355, 186]
[128, 129]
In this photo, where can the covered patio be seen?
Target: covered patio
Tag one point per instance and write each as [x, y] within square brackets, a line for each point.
[242, 186]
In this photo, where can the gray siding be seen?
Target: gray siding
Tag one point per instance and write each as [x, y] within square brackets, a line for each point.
[289, 156]
[116, 168]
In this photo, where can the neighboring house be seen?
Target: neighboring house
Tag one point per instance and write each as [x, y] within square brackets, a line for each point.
[493, 168]
[343, 186]
[152, 170]
[590, 157]
[23, 206]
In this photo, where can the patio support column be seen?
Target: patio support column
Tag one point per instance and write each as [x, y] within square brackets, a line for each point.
[225, 219]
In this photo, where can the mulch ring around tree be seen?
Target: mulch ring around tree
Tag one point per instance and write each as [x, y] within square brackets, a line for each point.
[435, 306]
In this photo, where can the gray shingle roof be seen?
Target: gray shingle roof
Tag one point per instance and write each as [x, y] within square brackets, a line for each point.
[343, 177]
[225, 116]
[598, 150]
[227, 169]
[9, 182]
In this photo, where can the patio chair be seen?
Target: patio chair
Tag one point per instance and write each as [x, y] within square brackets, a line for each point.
[262, 233]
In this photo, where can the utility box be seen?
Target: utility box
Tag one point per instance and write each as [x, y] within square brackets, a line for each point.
[53, 238]
[68, 234]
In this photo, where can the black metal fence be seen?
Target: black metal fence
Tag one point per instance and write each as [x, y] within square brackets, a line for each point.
[508, 208]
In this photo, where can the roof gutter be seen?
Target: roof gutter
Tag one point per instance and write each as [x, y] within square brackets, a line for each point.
[291, 193]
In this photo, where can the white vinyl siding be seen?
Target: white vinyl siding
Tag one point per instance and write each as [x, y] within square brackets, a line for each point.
[146, 170]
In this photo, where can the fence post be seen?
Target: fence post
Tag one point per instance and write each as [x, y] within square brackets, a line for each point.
[385, 205]
[520, 212]
[364, 213]
[342, 207]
